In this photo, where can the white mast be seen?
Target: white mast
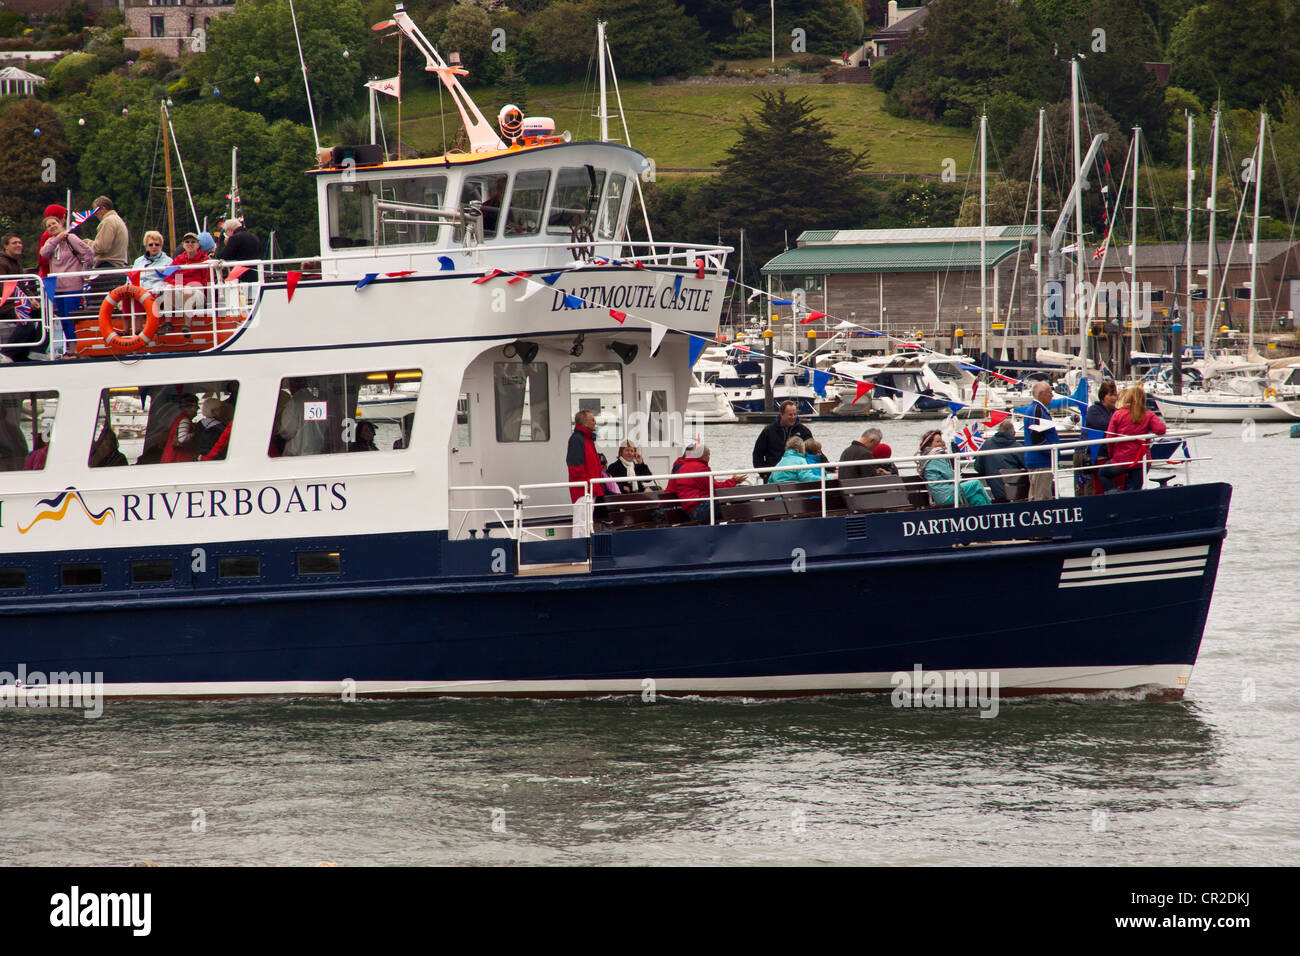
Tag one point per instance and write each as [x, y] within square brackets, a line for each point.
[1189, 327]
[1038, 235]
[234, 181]
[1132, 250]
[1078, 218]
[600, 53]
[984, 305]
[1210, 301]
[1254, 231]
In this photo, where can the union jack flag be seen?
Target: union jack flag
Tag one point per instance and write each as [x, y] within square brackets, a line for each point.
[969, 439]
[79, 217]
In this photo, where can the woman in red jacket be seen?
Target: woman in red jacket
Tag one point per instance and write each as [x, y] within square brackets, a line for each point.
[690, 482]
[185, 286]
[1132, 417]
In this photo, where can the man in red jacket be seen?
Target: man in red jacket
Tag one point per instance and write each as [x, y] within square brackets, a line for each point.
[582, 458]
[690, 482]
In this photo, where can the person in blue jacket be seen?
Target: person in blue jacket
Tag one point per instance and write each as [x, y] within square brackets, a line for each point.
[794, 465]
[1039, 463]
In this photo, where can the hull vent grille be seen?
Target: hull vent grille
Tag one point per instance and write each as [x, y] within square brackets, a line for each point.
[602, 545]
[855, 527]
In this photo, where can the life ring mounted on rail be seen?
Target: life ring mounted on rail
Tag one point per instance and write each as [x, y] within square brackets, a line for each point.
[1270, 393]
[114, 339]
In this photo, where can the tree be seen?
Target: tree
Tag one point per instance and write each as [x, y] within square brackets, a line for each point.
[1258, 58]
[558, 42]
[1004, 204]
[468, 32]
[36, 165]
[649, 37]
[785, 173]
[73, 73]
[253, 61]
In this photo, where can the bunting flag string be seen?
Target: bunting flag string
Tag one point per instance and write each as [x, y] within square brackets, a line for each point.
[862, 389]
[234, 273]
[488, 277]
[365, 280]
[445, 264]
[813, 317]
[677, 287]
[291, 282]
[392, 275]
[617, 316]
[657, 333]
[9, 288]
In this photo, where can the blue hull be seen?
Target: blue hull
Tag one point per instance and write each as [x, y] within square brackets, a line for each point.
[877, 593]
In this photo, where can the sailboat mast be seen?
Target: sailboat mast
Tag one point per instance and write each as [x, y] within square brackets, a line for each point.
[234, 182]
[1038, 240]
[1078, 218]
[167, 181]
[1132, 250]
[1188, 325]
[984, 305]
[1210, 301]
[600, 55]
[1254, 231]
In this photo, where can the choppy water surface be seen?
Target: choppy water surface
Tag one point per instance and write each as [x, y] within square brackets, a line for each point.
[1209, 780]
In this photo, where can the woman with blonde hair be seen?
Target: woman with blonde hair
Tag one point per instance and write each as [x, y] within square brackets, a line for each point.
[1131, 417]
[151, 264]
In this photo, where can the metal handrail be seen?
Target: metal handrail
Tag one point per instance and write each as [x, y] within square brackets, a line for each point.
[954, 458]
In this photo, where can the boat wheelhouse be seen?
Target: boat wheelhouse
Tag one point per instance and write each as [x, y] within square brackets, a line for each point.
[212, 516]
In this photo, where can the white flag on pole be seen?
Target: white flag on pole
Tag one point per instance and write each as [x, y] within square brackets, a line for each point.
[392, 86]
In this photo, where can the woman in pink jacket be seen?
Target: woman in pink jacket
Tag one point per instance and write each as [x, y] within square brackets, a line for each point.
[1132, 417]
[67, 254]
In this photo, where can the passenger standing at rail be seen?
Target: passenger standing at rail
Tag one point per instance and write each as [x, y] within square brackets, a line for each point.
[67, 254]
[582, 458]
[769, 448]
[1131, 418]
[1039, 463]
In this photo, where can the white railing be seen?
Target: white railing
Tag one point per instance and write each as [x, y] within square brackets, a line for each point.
[525, 521]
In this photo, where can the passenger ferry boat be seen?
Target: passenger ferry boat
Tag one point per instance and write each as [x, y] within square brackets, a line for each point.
[442, 554]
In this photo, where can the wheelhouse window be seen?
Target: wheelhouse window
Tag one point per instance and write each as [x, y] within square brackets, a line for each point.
[152, 572]
[335, 414]
[611, 207]
[487, 195]
[386, 212]
[319, 562]
[26, 428]
[527, 200]
[163, 424]
[577, 190]
[13, 579]
[522, 401]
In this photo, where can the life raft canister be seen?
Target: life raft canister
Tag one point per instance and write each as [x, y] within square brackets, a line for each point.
[128, 343]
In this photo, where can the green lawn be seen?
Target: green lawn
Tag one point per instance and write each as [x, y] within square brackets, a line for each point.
[690, 127]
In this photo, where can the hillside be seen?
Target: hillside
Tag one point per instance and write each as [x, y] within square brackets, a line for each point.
[689, 127]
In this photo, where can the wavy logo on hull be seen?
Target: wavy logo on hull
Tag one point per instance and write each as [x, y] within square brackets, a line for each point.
[57, 507]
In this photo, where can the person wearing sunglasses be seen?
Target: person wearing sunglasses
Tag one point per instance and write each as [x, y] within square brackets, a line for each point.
[184, 295]
[152, 263]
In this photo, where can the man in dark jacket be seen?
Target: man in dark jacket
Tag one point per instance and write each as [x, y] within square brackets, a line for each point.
[862, 449]
[770, 446]
[17, 337]
[582, 458]
[989, 467]
[1099, 412]
[1095, 423]
[241, 245]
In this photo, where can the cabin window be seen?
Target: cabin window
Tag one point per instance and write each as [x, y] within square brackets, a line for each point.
[607, 224]
[464, 436]
[239, 566]
[26, 428]
[13, 579]
[157, 27]
[355, 411]
[522, 401]
[577, 190]
[81, 575]
[597, 387]
[319, 562]
[151, 572]
[407, 211]
[490, 193]
[1242, 292]
[153, 424]
[527, 200]
[1155, 295]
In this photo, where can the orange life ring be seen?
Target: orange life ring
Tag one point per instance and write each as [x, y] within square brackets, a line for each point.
[114, 339]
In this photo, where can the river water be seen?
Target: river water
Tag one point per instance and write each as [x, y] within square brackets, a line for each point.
[1209, 780]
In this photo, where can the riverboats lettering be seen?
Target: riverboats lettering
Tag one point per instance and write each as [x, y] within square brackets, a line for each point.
[234, 502]
[634, 298]
[994, 522]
